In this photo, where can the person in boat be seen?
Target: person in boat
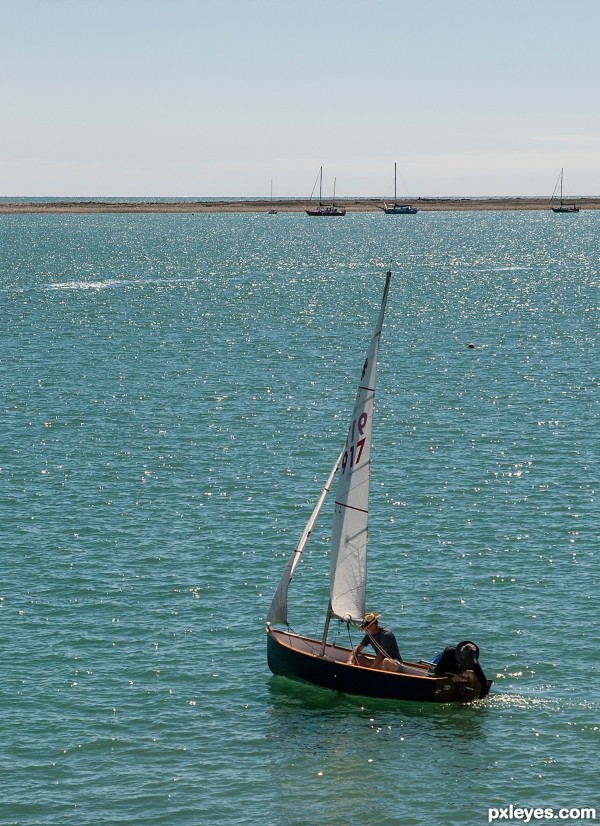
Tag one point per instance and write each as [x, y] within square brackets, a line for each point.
[455, 660]
[387, 653]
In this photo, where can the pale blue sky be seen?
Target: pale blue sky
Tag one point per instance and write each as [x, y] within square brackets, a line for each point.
[219, 97]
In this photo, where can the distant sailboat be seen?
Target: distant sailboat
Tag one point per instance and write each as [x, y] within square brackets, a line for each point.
[272, 211]
[322, 209]
[398, 209]
[563, 207]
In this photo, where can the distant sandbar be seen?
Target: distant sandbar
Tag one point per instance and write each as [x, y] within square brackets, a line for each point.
[283, 205]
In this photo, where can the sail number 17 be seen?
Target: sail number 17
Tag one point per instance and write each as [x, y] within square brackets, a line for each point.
[355, 443]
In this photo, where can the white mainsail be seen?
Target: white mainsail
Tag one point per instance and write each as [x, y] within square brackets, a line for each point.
[278, 611]
[348, 571]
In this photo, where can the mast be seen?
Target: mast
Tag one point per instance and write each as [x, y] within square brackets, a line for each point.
[321, 187]
[395, 201]
[561, 183]
[348, 564]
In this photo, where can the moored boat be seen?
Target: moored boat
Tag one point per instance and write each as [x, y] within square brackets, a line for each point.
[396, 208]
[562, 207]
[325, 209]
[272, 210]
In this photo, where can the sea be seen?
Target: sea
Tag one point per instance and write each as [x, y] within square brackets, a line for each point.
[175, 391]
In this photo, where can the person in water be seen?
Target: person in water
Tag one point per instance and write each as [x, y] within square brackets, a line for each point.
[387, 653]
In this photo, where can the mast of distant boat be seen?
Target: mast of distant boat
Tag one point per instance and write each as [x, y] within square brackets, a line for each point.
[562, 207]
[272, 210]
[561, 183]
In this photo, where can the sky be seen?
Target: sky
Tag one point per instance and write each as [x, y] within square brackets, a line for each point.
[209, 98]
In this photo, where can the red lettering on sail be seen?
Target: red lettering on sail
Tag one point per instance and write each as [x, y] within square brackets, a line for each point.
[359, 449]
[352, 456]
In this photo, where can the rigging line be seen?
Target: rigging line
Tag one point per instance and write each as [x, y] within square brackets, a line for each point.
[378, 648]
[314, 186]
[374, 643]
[290, 630]
[351, 507]
[349, 635]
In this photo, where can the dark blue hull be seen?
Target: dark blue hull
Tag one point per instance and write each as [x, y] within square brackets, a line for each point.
[299, 657]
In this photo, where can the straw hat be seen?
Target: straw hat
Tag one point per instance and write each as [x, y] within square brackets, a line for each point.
[467, 653]
[369, 618]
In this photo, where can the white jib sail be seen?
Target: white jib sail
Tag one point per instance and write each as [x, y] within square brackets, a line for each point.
[348, 571]
[278, 611]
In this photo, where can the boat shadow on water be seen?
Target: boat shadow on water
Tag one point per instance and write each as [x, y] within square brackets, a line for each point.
[294, 703]
[290, 693]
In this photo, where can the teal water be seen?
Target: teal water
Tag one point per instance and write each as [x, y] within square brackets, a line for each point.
[175, 391]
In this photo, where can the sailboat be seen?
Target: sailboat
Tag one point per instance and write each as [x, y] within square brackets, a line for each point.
[322, 209]
[563, 207]
[456, 676]
[272, 210]
[396, 208]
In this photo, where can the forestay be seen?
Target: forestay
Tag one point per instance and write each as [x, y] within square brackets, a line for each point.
[348, 571]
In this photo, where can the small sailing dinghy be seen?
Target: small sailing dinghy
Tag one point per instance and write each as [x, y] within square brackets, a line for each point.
[455, 677]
